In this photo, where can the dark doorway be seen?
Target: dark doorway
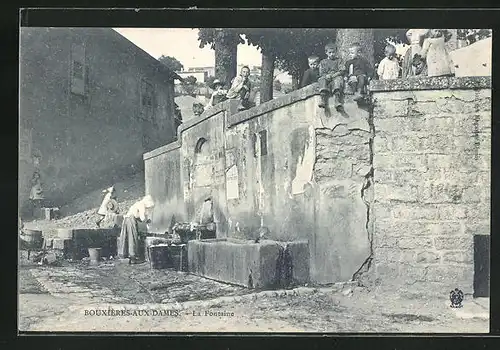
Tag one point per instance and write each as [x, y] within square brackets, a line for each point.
[481, 266]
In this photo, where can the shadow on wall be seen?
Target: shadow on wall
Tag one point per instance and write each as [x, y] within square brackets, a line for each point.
[244, 225]
[167, 213]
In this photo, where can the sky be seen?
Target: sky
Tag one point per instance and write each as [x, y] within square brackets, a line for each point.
[183, 44]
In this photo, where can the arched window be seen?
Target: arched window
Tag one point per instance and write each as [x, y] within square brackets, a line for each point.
[199, 145]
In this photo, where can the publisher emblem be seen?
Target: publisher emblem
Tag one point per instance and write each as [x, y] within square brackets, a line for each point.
[456, 298]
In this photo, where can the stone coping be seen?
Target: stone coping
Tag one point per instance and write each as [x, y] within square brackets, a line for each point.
[234, 117]
[162, 149]
[430, 83]
[266, 107]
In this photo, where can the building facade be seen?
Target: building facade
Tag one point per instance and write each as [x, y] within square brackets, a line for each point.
[91, 103]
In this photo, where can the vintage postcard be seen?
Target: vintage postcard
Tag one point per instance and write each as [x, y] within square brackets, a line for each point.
[254, 180]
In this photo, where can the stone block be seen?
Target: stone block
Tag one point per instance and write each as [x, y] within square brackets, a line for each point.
[389, 192]
[427, 257]
[459, 257]
[387, 271]
[384, 240]
[244, 263]
[390, 108]
[50, 213]
[453, 242]
[439, 124]
[420, 109]
[64, 233]
[403, 228]
[383, 176]
[439, 144]
[415, 242]
[401, 161]
[62, 244]
[432, 95]
[441, 192]
[299, 255]
[480, 228]
[445, 228]
[407, 256]
[387, 255]
[397, 125]
[472, 194]
[452, 276]
[451, 212]
[381, 144]
[479, 212]
[409, 143]
[413, 211]
[408, 177]
[409, 273]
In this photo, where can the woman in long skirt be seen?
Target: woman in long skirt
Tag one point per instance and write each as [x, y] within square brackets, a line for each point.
[128, 245]
[416, 38]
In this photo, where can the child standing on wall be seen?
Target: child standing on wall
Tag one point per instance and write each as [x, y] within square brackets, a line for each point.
[330, 77]
[359, 71]
[389, 66]
[311, 75]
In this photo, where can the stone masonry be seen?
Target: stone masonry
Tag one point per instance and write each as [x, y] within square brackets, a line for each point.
[432, 180]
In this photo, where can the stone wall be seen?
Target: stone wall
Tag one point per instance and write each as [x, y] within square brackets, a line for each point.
[395, 193]
[432, 180]
[165, 188]
[87, 141]
[262, 167]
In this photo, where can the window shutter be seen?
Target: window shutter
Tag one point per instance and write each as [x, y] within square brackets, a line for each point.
[78, 69]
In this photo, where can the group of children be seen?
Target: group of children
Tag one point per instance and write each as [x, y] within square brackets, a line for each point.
[240, 89]
[427, 55]
[332, 76]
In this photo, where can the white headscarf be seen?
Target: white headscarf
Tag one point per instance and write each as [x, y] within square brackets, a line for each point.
[148, 201]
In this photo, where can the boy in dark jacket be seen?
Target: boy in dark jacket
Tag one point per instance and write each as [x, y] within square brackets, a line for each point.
[312, 74]
[359, 71]
[331, 77]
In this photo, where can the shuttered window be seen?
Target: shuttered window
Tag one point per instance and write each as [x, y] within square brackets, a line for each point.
[78, 70]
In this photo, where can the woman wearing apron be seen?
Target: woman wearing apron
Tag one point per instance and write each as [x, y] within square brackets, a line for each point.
[128, 245]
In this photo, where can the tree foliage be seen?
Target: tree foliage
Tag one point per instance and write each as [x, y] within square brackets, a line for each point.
[189, 85]
[290, 46]
[473, 35]
[172, 63]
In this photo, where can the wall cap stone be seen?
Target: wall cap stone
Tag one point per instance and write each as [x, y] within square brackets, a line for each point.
[234, 117]
[430, 83]
[288, 99]
[162, 149]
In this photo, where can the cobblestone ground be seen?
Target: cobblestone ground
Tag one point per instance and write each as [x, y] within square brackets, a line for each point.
[65, 298]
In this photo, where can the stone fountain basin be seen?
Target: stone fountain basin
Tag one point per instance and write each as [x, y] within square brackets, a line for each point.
[244, 262]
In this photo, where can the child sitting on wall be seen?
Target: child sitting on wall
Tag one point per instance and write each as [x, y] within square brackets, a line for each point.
[218, 95]
[359, 71]
[311, 75]
[330, 77]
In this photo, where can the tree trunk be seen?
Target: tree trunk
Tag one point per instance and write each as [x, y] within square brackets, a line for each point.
[348, 36]
[267, 77]
[225, 45]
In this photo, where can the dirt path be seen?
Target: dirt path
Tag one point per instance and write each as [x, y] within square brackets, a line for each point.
[67, 299]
